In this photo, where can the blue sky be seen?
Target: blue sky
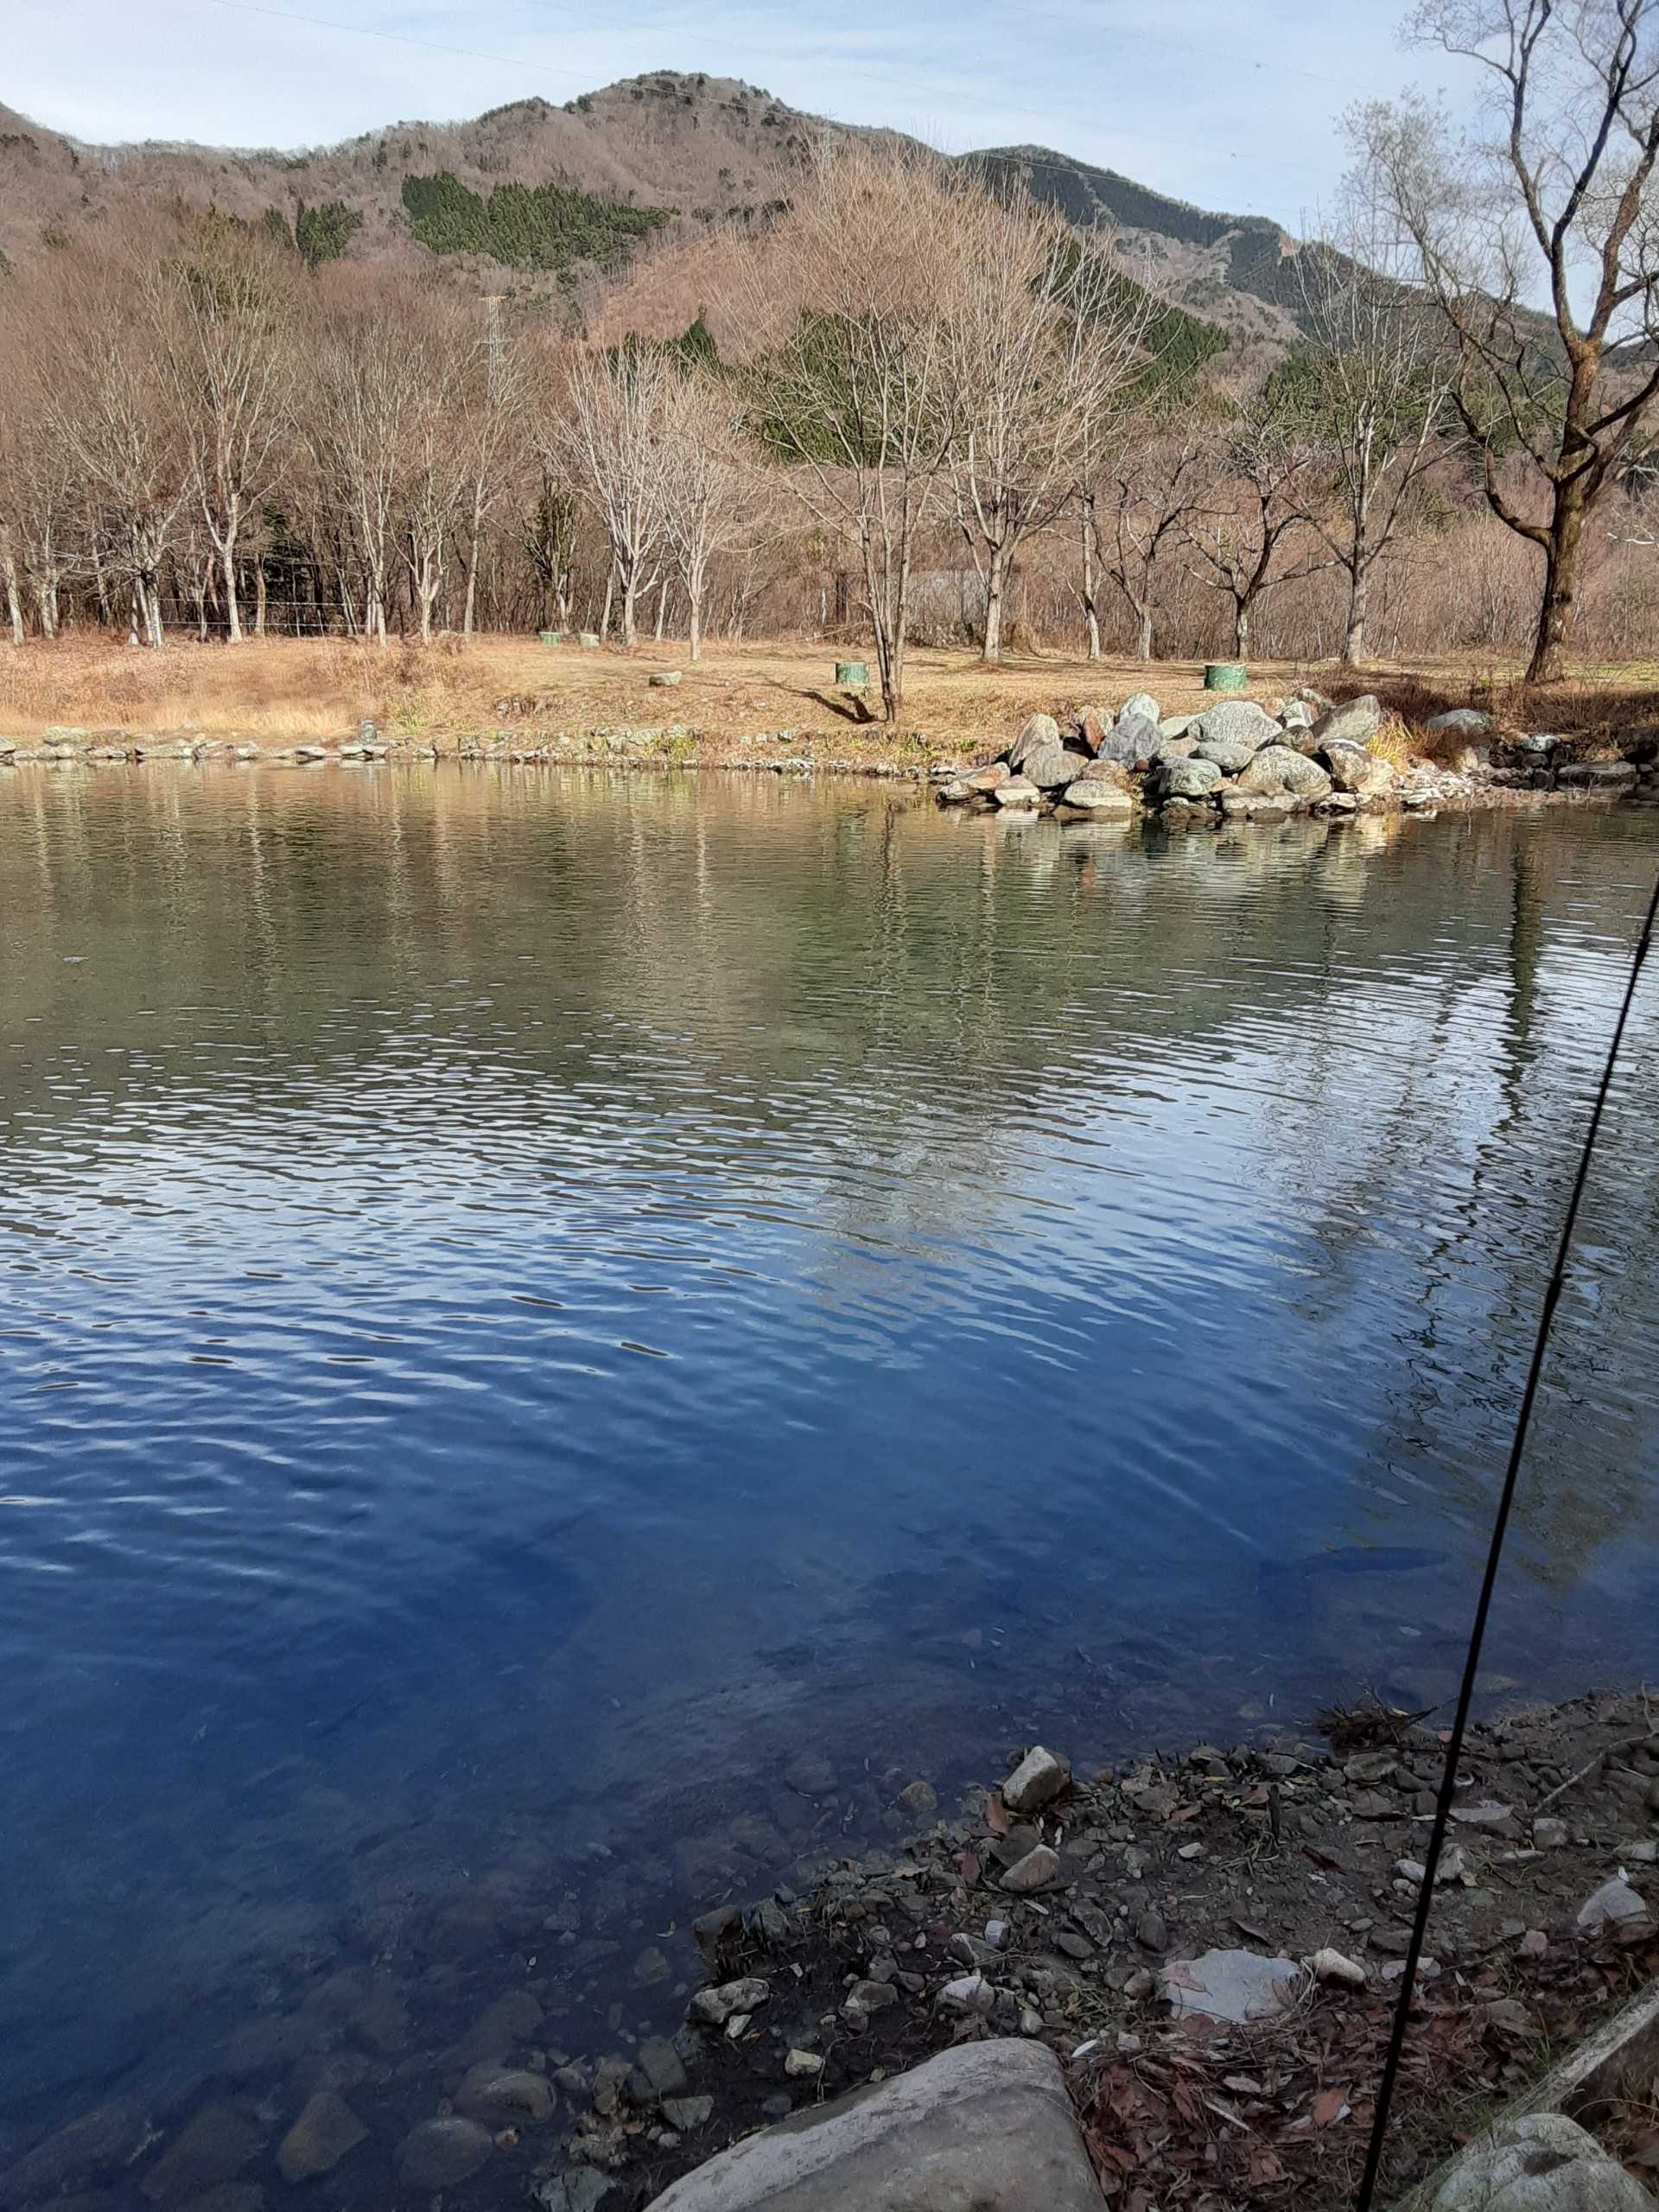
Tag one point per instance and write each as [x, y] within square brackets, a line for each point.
[1234, 103]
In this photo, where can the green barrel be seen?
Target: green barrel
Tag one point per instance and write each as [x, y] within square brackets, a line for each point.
[552, 637]
[1225, 675]
[852, 676]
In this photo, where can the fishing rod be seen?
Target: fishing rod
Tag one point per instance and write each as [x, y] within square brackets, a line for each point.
[1431, 1858]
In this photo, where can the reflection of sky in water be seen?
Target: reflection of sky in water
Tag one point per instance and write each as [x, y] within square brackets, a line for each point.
[528, 1301]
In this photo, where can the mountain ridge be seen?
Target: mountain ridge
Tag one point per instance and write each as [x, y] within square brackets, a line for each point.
[693, 153]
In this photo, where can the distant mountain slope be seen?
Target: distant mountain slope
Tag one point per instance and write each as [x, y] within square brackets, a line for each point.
[557, 195]
[1237, 270]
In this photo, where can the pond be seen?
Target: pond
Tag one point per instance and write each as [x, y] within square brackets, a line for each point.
[531, 1301]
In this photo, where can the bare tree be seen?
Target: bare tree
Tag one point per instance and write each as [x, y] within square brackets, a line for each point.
[1155, 473]
[496, 382]
[105, 404]
[1241, 535]
[224, 311]
[1374, 384]
[613, 439]
[852, 289]
[1043, 337]
[704, 486]
[369, 380]
[1560, 186]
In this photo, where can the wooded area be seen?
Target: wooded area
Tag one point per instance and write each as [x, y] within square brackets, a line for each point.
[945, 415]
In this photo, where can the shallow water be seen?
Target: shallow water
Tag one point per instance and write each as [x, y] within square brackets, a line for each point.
[530, 1300]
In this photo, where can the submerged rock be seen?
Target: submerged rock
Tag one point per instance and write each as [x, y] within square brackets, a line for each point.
[441, 2152]
[323, 2135]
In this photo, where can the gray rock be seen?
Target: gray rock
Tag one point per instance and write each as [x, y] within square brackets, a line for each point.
[1132, 741]
[1051, 768]
[1276, 770]
[1296, 713]
[1187, 780]
[505, 2093]
[1141, 704]
[714, 2007]
[1540, 741]
[578, 2188]
[919, 1798]
[1234, 1986]
[987, 2126]
[662, 2066]
[1019, 791]
[1037, 1781]
[1356, 768]
[1035, 1871]
[441, 2152]
[688, 2114]
[958, 792]
[867, 1996]
[1612, 1905]
[214, 2147]
[1543, 2162]
[1236, 728]
[1174, 726]
[1355, 718]
[1604, 774]
[1092, 795]
[1468, 719]
[1151, 1931]
[970, 1993]
[324, 2132]
[981, 780]
[1041, 735]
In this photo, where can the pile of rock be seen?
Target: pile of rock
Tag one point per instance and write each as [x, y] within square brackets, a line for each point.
[1234, 760]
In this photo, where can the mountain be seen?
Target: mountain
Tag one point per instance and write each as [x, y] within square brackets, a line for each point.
[535, 197]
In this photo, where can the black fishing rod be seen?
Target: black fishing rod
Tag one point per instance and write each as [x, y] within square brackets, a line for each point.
[1495, 1551]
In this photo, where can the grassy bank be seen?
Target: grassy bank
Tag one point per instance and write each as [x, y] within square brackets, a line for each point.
[282, 691]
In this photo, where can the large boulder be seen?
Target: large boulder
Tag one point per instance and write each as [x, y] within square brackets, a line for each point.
[1468, 719]
[1018, 792]
[1356, 768]
[1142, 704]
[1232, 733]
[1090, 795]
[1186, 780]
[1051, 767]
[1355, 718]
[1133, 739]
[1543, 2162]
[986, 2127]
[1041, 735]
[1277, 770]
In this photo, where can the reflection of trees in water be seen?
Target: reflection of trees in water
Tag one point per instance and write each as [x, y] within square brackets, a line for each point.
[1465, 1162]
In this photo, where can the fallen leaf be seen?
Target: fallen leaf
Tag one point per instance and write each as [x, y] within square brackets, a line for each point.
[1328, 2106]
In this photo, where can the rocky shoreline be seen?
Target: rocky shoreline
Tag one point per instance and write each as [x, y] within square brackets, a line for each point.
[1207, 1940]
[1232, 762]
[1238, 762]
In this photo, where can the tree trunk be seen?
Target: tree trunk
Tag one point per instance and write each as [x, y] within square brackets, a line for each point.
[259, 597]
[233, 608]
[1563, 568]
[662, 608]
[610, 593]
[14, 598]
[630, 610]
[1242, 630]
[694, 595]
[1359, 592]
[995, 582]
[1091, 589]
[1143, 633]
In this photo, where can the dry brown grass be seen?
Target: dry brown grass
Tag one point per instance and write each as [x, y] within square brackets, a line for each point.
[279, 691]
